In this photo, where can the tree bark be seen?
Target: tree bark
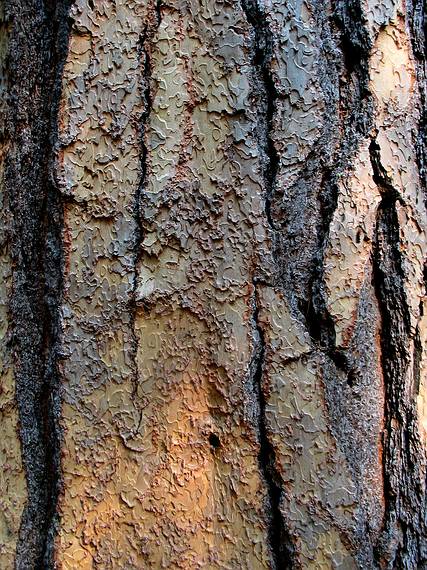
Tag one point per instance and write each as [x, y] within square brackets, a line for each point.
[213, 284]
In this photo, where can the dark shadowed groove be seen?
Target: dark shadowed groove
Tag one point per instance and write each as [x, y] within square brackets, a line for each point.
[355, 125]
[145, 46]
[356, 43]
[417, 16]
[262, 48]
[279, 539]
[262, 54]
[417, 356]
[58, 13]
[404, 524]
[37, 51]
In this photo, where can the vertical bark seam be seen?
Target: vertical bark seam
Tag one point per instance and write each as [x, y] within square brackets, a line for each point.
[36, 59]
[278, 536]
[145, 45]
[404, 525]
[417, 13]
[262, 53]
[54, 273]
[355, 125]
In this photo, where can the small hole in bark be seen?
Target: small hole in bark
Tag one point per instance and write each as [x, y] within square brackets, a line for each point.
[358, 236]
[91, 4]
[214, 440]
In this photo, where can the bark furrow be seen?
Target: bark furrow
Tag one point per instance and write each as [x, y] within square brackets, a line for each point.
[348, 124]
[417, 13]
[266, 96]
[145, 46]
[401, 545]
[37, 53]
[262, 48]
[279, 539]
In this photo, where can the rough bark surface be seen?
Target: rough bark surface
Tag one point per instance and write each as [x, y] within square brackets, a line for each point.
[212, 284]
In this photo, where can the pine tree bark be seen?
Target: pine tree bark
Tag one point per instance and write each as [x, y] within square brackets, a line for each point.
[213, 284]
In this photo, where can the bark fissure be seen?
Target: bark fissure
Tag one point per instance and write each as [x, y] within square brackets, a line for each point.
[262, 50]
[354, 122]
[418, 25]
[261, 60]
[145, 46]
[278, 536]
[318, 320]
[36, 58]
[401, 543]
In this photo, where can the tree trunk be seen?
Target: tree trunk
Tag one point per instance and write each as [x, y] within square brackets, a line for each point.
[212, 294]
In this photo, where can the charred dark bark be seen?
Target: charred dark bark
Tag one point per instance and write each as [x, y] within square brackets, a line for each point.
[418, 27]
[403, 543]
[36, 55]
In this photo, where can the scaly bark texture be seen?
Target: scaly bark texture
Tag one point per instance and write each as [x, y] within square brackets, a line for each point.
[212, 293]
[13, 489]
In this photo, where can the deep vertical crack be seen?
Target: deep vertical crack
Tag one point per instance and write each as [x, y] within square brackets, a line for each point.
[404, 525]
[37, 51]
[278, 536]
[262, 55]
[58, 14]
[354, 122]
[417, 18]
[262, 51]
[145, 47]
